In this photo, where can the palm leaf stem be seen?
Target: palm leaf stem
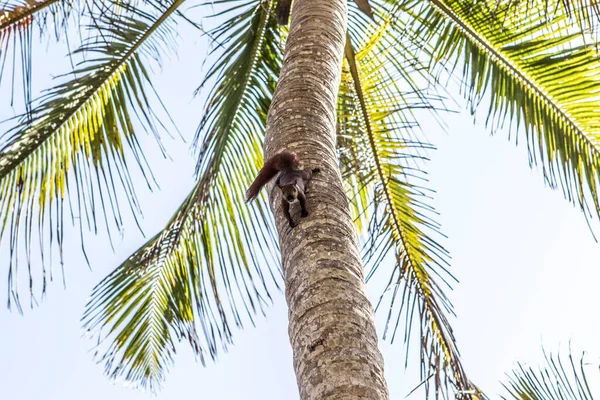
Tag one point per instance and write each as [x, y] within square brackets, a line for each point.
[21, 14]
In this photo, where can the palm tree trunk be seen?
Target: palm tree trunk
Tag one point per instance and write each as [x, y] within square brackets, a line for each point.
[331, 321]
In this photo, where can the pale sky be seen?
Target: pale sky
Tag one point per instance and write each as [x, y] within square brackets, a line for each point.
[527, 264]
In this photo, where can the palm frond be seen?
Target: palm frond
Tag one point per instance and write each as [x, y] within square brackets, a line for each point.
[583, 14]
[72, 147]
[539, 76]
[216, 259]
[379, 96]
[556, 380]
[17, 21]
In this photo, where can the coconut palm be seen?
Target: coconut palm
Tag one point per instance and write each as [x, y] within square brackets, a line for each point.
[346, 95]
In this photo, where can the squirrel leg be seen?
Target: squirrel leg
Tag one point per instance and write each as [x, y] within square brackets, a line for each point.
[306, 177]
[302, 199]
[286, 212]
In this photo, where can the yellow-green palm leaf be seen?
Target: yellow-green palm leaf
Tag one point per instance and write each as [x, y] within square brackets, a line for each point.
[70, 151]
[215, 263]
[380, 144]
[540, 74]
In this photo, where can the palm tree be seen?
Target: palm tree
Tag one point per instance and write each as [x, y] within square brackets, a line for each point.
[346, 96]
[331, 323]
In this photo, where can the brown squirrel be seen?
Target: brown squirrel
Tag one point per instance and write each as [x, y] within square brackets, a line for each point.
[292, 182]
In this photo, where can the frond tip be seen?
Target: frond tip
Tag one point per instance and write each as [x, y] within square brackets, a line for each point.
[556, 380]
[17, 20]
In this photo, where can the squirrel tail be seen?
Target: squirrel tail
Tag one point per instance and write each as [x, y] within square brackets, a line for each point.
[282, 11]
[284, 161]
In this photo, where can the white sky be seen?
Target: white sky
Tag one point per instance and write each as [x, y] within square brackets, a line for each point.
[526, 261]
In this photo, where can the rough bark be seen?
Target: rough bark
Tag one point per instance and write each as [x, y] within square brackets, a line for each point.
[331, 321]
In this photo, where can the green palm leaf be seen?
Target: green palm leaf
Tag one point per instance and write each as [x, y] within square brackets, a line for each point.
[384, 157]
[585, 14]
[556, 380]
[540, 77]
[72, 146]
[206, 269]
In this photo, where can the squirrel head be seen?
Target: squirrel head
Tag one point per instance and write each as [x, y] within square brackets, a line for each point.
[289, 192]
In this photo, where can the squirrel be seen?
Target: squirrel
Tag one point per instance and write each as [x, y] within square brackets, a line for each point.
[292, 182]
